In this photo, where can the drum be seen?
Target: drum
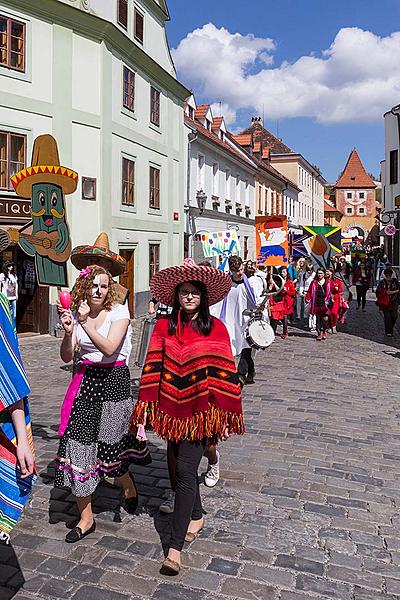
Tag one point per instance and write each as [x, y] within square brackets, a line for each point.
[259, 333]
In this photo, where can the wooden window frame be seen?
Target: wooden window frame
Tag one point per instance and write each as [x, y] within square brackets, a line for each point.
[154, 259]
[155, 106]
[154, 197]
[8, 161]
[7, 64]
[127, 182]
[128, 95]
[94, 182]
[137, 13]
[119, 20]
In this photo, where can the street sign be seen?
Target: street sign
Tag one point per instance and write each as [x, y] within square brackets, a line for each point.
[390, 229]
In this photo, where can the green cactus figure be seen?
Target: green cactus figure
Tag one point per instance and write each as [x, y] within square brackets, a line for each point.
[46, 182]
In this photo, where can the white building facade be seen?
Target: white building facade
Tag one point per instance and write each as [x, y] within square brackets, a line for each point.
[221, 183]
[98, 76]
[390, 178]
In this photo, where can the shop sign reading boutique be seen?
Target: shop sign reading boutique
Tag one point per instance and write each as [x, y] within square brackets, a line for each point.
[33, 300]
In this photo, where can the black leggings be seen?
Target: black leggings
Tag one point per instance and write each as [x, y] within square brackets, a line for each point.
[284, 321]
[361, 295]
[183, 462]
[246, 363]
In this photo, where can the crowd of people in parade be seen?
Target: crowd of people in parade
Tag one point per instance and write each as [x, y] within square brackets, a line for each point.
[199, 358]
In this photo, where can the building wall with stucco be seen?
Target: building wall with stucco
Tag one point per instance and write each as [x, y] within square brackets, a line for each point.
[72, 87]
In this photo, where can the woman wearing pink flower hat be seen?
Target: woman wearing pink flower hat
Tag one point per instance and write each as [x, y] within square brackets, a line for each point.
[95, 440]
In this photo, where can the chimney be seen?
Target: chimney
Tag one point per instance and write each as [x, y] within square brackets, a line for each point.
[257, 121]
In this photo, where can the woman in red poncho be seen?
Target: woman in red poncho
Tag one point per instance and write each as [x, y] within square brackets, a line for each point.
[282, 304]
[189, 390]
[335, 292]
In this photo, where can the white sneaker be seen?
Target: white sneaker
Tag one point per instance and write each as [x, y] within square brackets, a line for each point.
[212, 476]
[167, 507]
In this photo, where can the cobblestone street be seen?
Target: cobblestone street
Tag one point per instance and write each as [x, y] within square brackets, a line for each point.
[308, 504]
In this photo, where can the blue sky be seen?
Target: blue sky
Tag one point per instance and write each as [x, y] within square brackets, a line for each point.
[301, 28]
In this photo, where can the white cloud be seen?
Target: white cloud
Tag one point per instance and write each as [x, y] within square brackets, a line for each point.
[356, 79]
[221, 109]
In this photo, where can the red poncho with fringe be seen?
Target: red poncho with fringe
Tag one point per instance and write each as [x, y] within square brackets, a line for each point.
[189, 387]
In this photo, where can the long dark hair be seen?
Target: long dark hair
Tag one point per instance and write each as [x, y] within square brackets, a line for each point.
[6, 265]
[203, 323]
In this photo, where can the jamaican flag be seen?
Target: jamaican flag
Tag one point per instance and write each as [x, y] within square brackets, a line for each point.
[333, 235]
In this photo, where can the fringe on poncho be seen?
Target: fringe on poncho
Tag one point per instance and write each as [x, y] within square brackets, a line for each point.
[189, 387]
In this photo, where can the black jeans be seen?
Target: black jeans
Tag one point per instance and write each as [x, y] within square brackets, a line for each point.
[284, 321]
[187, 495]
[361, 295]
[390, 317]
[246, 363]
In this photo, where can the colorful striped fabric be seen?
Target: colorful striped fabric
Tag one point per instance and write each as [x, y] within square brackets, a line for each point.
[189, 387]
[14, 491]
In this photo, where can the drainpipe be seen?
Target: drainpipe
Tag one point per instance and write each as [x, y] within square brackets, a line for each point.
[192, 137]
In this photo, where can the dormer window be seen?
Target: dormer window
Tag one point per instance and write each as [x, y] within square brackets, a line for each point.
[222, 136]
[139, 27]
[122, 17]
[191, 112]
[208, 125]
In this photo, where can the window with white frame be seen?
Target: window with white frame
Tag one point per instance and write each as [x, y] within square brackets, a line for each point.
[237, 191]
[349, 210]
[200, 171]
[215, 181]
[361, 210]
[349, 195]
[361, 195]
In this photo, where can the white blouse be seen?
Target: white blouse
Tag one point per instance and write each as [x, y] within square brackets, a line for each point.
[88, 350]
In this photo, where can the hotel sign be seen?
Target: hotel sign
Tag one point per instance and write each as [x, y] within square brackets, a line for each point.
[14, 210]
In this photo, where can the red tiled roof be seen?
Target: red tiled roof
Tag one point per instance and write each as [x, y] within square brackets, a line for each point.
[256, 146]
[243, 140]
[201, 111]
[260, 133]
[354, 174]
[330, 208]
[212, 136]
[216, 124]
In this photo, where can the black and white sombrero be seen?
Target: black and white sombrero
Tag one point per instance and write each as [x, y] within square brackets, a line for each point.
[164, 283]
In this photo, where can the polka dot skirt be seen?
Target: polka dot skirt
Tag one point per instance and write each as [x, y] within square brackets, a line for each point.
[97, 441]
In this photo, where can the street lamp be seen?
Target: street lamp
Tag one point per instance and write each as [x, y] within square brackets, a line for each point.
[201, 198]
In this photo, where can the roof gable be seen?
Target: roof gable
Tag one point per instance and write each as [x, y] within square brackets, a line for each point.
[259, 133]
[354, 174]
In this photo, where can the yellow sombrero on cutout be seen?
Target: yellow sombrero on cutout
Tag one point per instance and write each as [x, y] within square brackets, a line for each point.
[45, 168]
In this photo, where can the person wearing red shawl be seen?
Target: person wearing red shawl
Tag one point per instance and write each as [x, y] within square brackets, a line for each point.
[189, 391]
[319, 297]
[282, 304]
[335, 291]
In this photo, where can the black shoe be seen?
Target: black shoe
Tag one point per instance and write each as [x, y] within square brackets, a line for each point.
[76, 534]
[250, 378]
[131, 504]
